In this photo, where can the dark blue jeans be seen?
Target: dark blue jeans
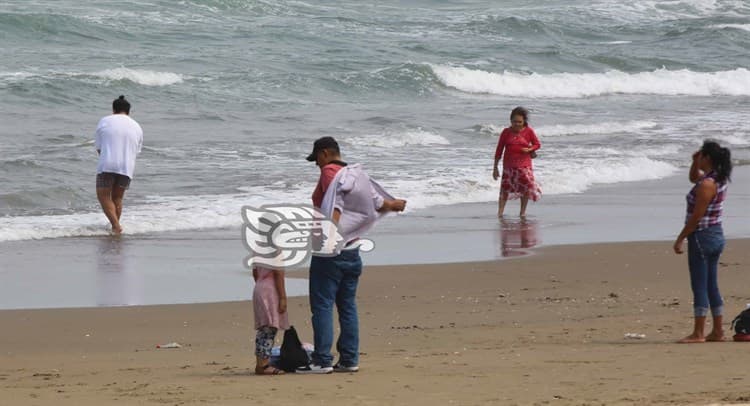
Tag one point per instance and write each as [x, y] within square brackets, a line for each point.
[704, 248]
[333, 280]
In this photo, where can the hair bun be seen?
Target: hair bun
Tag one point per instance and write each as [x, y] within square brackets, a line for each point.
[121, 97]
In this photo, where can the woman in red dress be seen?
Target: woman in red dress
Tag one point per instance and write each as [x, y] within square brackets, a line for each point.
[516, 145]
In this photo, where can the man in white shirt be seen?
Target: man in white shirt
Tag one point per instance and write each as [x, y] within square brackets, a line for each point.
[119, 139]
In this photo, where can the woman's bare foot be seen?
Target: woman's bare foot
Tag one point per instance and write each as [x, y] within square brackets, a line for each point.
[268, 370]
[692, 339]
[715, 337]
[116, 230]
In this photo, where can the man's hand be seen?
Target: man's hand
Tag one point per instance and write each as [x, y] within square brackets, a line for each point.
[398, 205]
[393, 205]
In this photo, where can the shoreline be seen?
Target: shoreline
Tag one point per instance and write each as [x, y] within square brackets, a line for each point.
[206, 265]
[548, 328]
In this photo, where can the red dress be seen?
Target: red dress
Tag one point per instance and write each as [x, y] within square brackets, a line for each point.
[518, 173]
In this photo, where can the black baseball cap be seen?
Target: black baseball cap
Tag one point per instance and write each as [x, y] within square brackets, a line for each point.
[321, 144]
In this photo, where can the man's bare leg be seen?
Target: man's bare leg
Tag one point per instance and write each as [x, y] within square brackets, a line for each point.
[117, 194]
[108, 206]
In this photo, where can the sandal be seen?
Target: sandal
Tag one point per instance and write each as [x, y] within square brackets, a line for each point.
[270, 370]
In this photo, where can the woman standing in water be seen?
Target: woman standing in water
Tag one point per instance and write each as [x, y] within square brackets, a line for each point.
[710, 172]
[516, 145]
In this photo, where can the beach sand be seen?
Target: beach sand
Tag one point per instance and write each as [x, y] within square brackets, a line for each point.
[542, 329]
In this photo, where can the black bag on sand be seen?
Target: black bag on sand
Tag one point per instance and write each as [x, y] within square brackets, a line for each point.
[741, 326]
[292, 355]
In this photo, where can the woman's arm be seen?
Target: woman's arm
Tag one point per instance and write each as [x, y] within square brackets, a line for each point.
[278, 278]
[498, 155]
[534, 140]
[703, 196]
[695, 172]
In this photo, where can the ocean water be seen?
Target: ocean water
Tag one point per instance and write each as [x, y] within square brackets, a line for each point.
[232, 93]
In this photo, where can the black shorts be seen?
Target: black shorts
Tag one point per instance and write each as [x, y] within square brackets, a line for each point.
[107, 180]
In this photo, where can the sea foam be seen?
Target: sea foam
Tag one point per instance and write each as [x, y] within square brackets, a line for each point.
[579, 85]
[158, 214]
[742, 27]
[581, 175]
[595, 129]
[449, 185]
[142, 77]
[399, 139]
[139, 76]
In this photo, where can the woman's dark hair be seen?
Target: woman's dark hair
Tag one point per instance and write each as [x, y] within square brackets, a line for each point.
[120, 105]
[520, 111]
[720, 158]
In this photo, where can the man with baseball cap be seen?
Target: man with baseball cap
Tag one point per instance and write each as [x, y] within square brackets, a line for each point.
[347, 195]
[323, 144]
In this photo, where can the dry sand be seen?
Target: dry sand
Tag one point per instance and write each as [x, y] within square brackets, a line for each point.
[546, 329]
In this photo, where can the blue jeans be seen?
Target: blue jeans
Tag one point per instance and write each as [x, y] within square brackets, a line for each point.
[704, 248]
[333, 280]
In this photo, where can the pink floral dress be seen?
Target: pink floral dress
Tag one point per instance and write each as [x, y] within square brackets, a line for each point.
[518, 173]
[266, 302]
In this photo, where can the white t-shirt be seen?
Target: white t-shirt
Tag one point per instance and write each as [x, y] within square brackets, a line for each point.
[119, 139]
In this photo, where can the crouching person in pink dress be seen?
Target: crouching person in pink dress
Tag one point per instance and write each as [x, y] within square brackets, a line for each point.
[269, 305]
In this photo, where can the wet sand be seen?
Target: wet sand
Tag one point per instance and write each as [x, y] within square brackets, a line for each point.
[206, 265]
[541, 329]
